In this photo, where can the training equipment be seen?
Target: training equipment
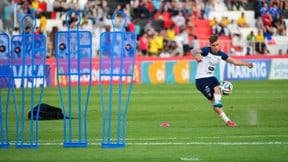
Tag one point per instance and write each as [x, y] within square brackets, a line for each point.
[5, 80]
[226, 87]
[74, 62]
[28, 57]
[165, 125]
[117, 57]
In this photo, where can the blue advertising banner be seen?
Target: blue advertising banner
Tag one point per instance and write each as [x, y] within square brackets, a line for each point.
[17, 71]
[259, 72]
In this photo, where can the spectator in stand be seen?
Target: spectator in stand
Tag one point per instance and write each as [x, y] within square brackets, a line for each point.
[73, 5]
[236, 4]
[172, 9]
[143, 10]
[260, 23]
[148, 27]
[153, 48]
[43, 22]
[234, 30]
[7, 18]
[49, 6]
[179, 20]
[65, 5]
[16, 31]
[241, 52]
[228, 4]
[190, 26]
[185, 36]
[166, 16]
[187, 11]
[209, 7]
[200, 9]
[179, 43]
[58, 6]
[280, 52]
[135, 9]
[37, 30]
[35, 4]
[165, 53]
[264, 9]
[274, 11]
[243, 4]
[283, 5]
[260, 42]
[137, 28]
[159, 40]
[127, 10]
[195, 42]
[149, 6]
[261, 3]
[131, 26]
[157, 4]
[279, 24]
[268, 22]
[232, 52]
[144, 44]
[170, 33]
[251, 40]
[242, 21]
[28, 30]
[215, 25]
[224, 26]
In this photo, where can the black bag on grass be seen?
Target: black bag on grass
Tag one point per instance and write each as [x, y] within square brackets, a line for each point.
[47, 112]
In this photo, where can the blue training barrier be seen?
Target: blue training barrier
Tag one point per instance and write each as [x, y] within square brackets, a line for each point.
[74, 60]
[117, 57]
[28, 51]
[5, 84]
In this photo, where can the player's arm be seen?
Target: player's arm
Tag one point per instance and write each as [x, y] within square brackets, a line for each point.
[239, 62]
[196, 53]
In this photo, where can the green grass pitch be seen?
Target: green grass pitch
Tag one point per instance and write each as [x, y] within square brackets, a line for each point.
[260, 108]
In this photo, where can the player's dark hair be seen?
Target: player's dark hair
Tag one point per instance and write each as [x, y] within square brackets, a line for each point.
[213, 38]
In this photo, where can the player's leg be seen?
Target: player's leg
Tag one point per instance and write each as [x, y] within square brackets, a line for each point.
[222, 115]
[217, 104]
[217, 95]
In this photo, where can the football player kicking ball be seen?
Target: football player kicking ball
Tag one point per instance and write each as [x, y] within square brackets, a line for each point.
[206, 83]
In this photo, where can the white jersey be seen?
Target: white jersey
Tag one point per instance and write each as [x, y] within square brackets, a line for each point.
[206, 67]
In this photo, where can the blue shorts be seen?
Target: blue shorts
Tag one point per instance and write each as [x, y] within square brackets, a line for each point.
[206, 86]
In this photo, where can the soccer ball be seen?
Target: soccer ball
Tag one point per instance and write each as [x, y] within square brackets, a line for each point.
[226, 87]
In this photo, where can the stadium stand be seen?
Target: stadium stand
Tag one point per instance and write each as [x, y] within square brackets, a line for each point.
[156, 16]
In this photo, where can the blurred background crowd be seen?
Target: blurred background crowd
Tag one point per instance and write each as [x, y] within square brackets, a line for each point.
[164, 28]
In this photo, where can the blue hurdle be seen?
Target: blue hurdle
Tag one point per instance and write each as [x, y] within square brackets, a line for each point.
[117, 50]
[5, 83]
[28, 50]
[74, 52]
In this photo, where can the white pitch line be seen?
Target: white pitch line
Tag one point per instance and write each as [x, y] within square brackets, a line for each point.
[190, 159]
[156, 92]
[175, 143]
[176, 138]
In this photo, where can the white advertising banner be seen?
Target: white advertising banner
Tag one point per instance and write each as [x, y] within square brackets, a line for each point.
[279, 69]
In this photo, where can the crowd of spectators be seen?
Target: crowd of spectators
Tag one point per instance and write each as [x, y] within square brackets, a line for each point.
[165, 28]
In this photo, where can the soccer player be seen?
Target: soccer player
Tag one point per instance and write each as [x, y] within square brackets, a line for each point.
[206, 83]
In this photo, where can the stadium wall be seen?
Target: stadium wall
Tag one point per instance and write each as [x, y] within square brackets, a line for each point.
[164, 70]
